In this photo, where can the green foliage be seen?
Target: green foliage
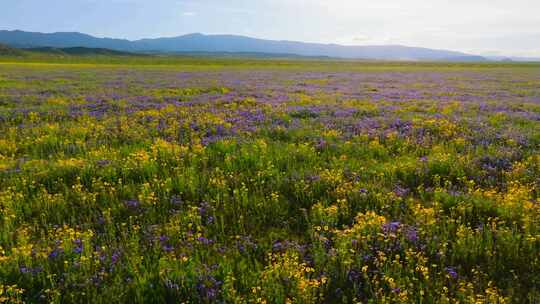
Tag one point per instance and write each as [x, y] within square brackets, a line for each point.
[204, 180]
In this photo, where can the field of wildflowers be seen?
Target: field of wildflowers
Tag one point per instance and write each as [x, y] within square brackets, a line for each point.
[272, 183]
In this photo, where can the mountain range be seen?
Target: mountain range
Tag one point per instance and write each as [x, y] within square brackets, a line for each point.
[200, 43]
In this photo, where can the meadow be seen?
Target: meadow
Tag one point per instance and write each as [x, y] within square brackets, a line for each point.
[153, 180]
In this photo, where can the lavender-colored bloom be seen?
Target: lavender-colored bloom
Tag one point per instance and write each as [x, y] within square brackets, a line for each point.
[400, 191]
[55, 253]
[451, 271]
[354, 276]
[367, 257]
[30, 270]
[115, 257]
[205, 241]
[167, 248]
[209, 288]
[313, 178]
[103, 162]
[78, 249]
[205, 212]
[412, 234]
[245, 243]
[278, 246]
[321, 145]
[101, 221]
[176, 201]
[391, 227]
[132, 204]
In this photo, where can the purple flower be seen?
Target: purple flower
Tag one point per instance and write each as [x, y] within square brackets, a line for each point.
[205, 213]
[278, 246]
[115, 257]
[78, 246]
[391, 227]
[176, 200]
[400, 191]
[162, 125]
[78, 249]
[451, 271]
[354, 276]
[209, 287]
[204, 240]
[132, 204]
[103, 162]
[412, 234]
[55, 253]
[33, 271]
[313, 178]
[167, 248]
[321, 145]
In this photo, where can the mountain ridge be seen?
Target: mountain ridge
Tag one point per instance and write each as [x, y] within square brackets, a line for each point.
[198, 42]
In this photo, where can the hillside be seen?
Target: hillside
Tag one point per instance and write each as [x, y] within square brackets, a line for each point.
[9, 51]
[81, 51]
[228, 44]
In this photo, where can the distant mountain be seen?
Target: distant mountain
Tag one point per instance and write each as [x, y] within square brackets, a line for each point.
[199, 43]
[235, 44]
[512, 59]
[241, 55]
[21, 39]
[469, 58]
[71, 51]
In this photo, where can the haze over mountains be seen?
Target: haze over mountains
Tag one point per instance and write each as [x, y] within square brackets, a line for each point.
[194, 43]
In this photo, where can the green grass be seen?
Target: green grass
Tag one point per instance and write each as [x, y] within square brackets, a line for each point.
[204, 180]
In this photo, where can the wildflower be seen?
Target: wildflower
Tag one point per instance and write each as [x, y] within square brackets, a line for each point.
[209, 287]
[176, 200]
[55, 253]
[400, 191]
[411, 234]
[78, 246]
[103, 162]
[451, 271]
[205, 241]
[133, 204]
[391, 227]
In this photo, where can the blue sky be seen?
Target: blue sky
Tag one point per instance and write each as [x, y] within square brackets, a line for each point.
[497, 27]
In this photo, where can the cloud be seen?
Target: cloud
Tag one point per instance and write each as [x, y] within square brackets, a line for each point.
[510, 27]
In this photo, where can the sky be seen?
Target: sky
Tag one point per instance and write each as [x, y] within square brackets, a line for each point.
[484, 27]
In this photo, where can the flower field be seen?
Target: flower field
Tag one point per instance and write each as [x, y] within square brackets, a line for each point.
[278, 182]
